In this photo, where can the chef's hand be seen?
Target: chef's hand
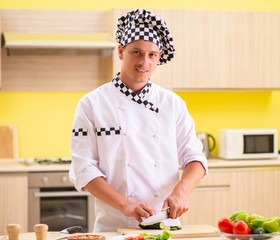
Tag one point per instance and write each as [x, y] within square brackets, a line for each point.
[177, 203]
[138, 210]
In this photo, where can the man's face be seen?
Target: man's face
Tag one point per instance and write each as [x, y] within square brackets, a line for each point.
[140, 59]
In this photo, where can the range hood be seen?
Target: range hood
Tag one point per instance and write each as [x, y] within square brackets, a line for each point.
[28, 42]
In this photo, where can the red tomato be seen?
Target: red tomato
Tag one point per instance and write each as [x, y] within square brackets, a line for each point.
[225, 225]
[139, 238]
[135, 238]
[240, 227]
[129, 238]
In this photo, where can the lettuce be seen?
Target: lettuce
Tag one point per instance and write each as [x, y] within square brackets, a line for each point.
[163, 236]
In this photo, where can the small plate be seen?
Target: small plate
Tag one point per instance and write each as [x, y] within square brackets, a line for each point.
[248, 236]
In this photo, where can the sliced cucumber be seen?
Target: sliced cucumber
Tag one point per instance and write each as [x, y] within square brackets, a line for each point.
[174, 228]
[159, 225]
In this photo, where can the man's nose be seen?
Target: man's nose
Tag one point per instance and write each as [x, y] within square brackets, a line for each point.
[144, 59]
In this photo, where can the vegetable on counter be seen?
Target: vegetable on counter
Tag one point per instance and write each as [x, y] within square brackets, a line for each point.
[242, 222]
[146, 236]
[225, 225]
[174, 228]
[240, 227]
[159, 225]
[163, 236]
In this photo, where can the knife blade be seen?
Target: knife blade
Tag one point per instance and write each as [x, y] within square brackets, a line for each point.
[163, 215]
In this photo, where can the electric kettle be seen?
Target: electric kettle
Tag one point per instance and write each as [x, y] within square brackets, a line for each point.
[208, 142]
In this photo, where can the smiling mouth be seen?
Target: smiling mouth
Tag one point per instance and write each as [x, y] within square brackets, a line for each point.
[141, 70]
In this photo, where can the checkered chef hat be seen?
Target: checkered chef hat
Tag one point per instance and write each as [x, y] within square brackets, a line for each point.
[144, 25]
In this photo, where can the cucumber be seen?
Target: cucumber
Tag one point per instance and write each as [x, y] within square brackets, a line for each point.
[159, 225]
[174, 228]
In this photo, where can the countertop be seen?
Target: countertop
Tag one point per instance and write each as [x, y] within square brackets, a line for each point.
[13, 165]
[114, 235]
[107, 235]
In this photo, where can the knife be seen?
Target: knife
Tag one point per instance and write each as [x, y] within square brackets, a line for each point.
[64, 233]
[73, 229]
[163, 215]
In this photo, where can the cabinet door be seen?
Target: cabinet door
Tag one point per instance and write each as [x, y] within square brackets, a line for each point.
[227, 50]
[210, 200]
[257, 191]
[226, 191]
[13, 201]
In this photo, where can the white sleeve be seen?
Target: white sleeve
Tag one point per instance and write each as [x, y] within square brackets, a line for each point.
[83, 147]
[189, 146]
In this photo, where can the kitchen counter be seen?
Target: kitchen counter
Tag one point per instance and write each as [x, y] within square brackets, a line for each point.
[12, 165]
[107, 235]
[242, 163]
[112, 235]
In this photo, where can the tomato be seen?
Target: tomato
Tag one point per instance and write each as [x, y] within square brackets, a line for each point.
[240, 227]
[129, 238]
[139, 238]
[135, 238]
[225, 225]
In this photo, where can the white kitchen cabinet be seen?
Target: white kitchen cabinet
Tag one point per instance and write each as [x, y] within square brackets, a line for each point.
[13, 200]
[57, 50]
[227, 190]
[257, 190]
[210, 200]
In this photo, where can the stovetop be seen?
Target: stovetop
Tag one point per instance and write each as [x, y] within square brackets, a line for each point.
[45, 161]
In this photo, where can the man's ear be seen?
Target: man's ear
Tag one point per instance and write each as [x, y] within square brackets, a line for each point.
[120, 51]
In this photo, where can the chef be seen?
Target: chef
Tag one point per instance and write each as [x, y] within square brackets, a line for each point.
[130, 136]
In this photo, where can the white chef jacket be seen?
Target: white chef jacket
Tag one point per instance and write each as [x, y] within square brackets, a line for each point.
[137, 150]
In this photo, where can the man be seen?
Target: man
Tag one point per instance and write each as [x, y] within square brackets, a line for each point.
[130, 136]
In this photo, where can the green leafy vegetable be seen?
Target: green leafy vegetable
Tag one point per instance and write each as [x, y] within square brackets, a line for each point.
[163, 236]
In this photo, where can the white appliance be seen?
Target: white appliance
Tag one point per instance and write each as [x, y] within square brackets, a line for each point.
[260, 143]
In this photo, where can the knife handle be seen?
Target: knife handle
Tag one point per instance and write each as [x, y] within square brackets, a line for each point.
[41, 231]
[168, 211]
[13, 231]
[74, 229]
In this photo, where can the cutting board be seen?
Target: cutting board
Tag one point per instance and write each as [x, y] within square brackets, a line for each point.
[190, 231]
[8, 141]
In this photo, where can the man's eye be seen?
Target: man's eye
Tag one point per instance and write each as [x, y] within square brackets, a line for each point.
[136, 52]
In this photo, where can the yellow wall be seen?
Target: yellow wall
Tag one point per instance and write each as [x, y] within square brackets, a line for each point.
[44, 119]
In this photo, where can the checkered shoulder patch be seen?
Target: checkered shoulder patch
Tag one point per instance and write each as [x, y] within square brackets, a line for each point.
[79, 132]
[107, 131]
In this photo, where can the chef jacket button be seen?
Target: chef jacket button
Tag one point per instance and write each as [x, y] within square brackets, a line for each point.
[154, 136]
[156, 194]
[125, 133]
[155, 165]
[132, 195]
[121, 107]
[130, 164]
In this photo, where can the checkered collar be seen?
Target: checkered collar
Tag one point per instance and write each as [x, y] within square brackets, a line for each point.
[136, 97]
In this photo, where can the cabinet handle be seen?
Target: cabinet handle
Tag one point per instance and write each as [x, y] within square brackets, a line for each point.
[212, 188]
[60, 194]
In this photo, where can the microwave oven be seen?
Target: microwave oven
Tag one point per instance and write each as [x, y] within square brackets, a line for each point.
[248, 143]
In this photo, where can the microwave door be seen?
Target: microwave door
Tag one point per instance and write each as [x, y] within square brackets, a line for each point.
[254, 144]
